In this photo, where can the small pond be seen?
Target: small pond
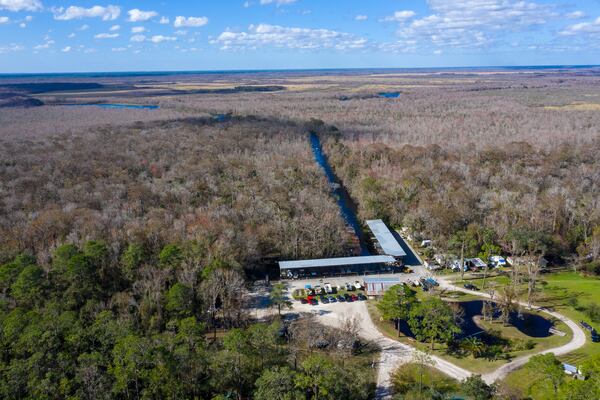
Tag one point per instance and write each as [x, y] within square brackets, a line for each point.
[389, 95]
[114, 105]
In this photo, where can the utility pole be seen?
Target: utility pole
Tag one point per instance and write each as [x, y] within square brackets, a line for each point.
[462, 260]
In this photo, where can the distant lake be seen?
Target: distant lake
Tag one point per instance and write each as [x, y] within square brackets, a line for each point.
[112, 105]
[389, 95]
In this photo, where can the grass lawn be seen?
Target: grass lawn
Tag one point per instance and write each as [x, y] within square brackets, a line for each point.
[478, 365]
[568, 293]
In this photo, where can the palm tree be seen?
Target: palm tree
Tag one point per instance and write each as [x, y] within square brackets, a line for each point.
[474, 346]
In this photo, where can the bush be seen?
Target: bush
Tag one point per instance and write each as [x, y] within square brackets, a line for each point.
[593, 311]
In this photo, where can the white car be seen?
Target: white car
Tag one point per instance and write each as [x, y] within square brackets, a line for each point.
[357, 285]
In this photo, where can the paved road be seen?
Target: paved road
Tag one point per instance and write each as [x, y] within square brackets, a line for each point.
[576, 342]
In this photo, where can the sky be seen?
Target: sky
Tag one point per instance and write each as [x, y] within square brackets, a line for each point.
[158, 35]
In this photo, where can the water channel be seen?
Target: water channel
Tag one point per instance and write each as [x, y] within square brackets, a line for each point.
[344, 202]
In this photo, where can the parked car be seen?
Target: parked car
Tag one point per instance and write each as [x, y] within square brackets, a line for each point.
[314, 302]
[362, 297]
[340, 298]
[349, 287]
[354, 297]
[348, 298]
[324, 299]
[303, 301]
[357, 285]
[332, 299]
[328, 288]
[470, 286]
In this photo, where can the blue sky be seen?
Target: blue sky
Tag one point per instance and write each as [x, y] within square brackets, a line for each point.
[128, 35]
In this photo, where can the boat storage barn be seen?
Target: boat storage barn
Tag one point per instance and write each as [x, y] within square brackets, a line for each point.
[336, 266]
[386, 241]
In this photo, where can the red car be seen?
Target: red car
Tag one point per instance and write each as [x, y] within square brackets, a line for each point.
[354, 297]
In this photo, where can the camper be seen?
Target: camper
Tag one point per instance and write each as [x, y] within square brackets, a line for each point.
[476, 264]
[497, 261]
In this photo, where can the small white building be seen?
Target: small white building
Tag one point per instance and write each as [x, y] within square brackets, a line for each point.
[376, 285]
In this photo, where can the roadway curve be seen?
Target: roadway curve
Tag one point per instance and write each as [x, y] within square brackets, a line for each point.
[576, 342]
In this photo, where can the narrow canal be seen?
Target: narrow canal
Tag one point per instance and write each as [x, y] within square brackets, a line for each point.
[345, 203]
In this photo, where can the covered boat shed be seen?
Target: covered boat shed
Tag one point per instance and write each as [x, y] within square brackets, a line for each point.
[385, 239]
[337, 266]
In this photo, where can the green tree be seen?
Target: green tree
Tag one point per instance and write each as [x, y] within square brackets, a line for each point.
[396, 303]
[180, 301]
[474, 346]
[318, 378]
[548, 369]
[433, 320]
[279, 298]
[277, 383]
[170, 256]
[131, 260]
[29, 286]
[10, 271]
[476, 389]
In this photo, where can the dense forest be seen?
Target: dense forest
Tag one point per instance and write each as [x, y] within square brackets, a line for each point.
[123, 249]
[240, 191]
[521, 199]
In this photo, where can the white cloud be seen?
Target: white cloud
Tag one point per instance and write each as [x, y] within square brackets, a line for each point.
[29, 18]
[11, 48]
[437, 52]
[66, 49]
[137, 15]
[284, 37]
[190, 22]
[361, 17]
[71, 35]
[277, 2]
[164, 20]
[247, 4]
[472, 23]
[46, 45]
[161, 38]
[4, 20]
[138, 29]
[115, 28]
[23, 25]
[119, 49]
[400, 16]
[106, 36]
[20, 5]
[583, 28]
[84, 27]
[575, 15]
[137, 38]
[108, 13]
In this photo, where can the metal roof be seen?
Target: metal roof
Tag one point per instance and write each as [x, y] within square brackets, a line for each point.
[386, 239]
[380, 279]
[335, 262]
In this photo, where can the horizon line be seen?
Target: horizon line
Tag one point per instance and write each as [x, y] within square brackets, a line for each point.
[191, 71]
